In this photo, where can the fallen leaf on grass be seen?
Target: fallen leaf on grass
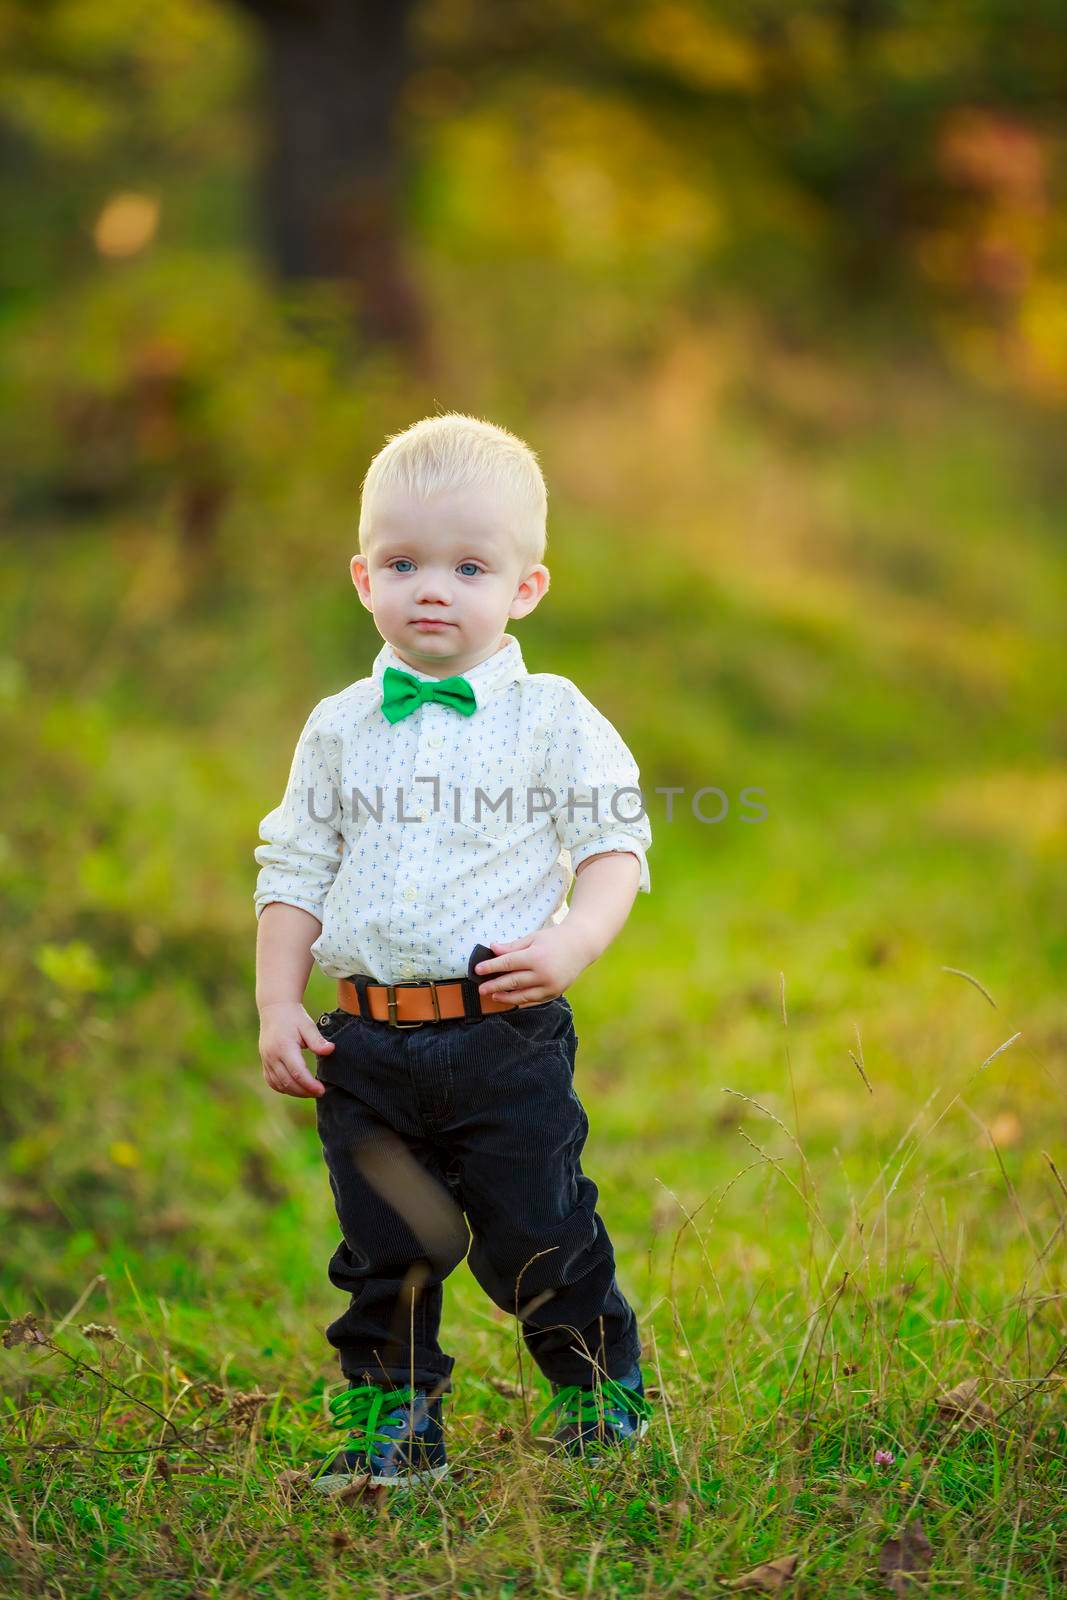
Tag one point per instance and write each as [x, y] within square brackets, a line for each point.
[504, 1386]
[900, 1558]
[293, 1478]
[769, 1576]
[361, 1488]
[188, 1469]
[963, 1405]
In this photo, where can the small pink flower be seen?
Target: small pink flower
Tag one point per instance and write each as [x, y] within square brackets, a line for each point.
[883, 1458]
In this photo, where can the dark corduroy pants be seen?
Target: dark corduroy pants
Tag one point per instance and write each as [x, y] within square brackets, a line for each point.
[465, 1123]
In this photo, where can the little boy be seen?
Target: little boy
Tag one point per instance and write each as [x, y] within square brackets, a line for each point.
[453, 797]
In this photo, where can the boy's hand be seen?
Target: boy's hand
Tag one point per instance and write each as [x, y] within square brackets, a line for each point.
[284, 1030]
[537, 967]
[541, 965]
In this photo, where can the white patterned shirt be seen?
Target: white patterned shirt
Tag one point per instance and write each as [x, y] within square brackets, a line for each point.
[383, 836]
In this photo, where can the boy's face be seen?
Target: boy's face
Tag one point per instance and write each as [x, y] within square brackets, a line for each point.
[450, 560]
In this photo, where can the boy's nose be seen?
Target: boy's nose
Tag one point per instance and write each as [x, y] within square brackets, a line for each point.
[432, 591]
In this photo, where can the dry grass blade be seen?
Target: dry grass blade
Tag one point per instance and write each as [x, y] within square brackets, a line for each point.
[859, 1068]
[958, 972]
[1055, 1171]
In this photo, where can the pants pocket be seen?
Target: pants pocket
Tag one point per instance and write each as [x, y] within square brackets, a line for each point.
[338, 1021]
[547, 1024]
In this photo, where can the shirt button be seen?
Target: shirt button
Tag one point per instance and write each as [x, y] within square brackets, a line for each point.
[435, 740]
[409, 894]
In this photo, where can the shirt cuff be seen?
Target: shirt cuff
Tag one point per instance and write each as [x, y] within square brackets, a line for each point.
[264, 900]
[616, 841]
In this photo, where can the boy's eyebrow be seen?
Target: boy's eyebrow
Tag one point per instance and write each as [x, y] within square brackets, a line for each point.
[389, 547]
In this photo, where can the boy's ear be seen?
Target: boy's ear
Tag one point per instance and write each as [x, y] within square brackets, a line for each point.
[358, 568]
[531, 590]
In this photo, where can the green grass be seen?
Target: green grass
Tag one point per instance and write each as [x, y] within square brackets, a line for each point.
[856, 612]
[804, 1312]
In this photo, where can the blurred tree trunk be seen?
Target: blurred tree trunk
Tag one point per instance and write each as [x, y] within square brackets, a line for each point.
[334, 71]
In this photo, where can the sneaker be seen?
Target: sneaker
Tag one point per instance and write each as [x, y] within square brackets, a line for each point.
[395, 1435]
[590, 1420]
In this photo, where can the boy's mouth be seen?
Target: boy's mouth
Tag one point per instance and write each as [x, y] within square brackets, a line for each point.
[431, 622]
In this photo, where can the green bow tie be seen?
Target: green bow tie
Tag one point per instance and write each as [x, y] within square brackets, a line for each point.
[403, 693]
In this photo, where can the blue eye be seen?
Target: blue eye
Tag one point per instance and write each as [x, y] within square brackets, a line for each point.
[404, 561]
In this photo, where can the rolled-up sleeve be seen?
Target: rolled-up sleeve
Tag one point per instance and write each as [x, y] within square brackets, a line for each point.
[302, 839]
[595, 781]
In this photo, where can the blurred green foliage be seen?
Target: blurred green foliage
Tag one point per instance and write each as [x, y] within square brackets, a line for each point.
[889, 156]
[796, 381]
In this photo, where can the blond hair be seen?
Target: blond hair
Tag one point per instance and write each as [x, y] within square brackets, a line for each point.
[453, 450]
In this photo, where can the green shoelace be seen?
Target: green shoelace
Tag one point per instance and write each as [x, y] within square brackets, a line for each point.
[358, 1410]
[583, 1405]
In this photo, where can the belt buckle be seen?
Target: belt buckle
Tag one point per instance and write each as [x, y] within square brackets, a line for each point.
[390, 995]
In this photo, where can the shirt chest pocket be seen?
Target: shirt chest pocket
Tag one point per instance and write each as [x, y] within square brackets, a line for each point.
[492, 827]
[493, 807]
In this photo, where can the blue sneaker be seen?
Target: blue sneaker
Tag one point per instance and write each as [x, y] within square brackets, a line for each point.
[395, 1435]
[591, 1421]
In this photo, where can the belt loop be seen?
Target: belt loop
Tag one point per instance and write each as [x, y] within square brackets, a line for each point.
[361, 981]
[472, 1005]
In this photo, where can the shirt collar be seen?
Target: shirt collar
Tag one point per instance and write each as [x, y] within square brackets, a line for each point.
[486, 678]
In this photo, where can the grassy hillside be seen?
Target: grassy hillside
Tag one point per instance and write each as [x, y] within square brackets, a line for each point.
[824, 1064]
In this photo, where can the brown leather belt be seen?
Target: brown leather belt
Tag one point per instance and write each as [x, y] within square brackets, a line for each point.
[407, 1005]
